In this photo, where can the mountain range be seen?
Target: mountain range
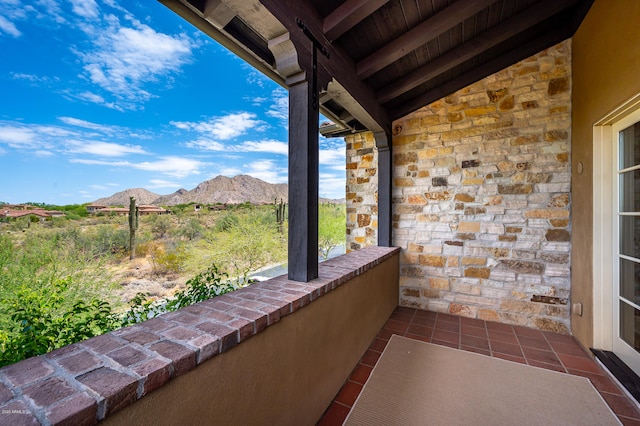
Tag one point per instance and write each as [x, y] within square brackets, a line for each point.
[221, 189]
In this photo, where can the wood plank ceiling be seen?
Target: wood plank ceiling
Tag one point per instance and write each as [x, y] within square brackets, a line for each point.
[390, 57]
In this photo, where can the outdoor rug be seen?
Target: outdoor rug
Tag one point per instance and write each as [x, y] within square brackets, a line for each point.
[418, 383]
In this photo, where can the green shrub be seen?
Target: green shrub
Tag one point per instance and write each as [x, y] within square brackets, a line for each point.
[42, 321]
[204, 286]
[226, 222]
[165, 259]
[173, 260]
[141, 309]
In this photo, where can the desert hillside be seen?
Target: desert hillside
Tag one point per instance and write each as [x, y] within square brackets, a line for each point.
[221, 189]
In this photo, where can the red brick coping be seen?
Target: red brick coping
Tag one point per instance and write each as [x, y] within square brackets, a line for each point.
[83, 383]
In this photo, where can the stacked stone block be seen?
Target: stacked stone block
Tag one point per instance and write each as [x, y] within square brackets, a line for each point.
[481, 197]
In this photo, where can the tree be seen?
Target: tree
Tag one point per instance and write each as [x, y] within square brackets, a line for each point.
[331, 228]
[243, 247]
[191, 229]
[161, 225]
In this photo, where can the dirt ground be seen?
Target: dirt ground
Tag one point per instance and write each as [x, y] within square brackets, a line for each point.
[137, 276]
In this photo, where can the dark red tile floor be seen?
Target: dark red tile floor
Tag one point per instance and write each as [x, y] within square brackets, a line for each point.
[544, 349]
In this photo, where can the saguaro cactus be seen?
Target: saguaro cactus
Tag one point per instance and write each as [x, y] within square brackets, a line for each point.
[133, 226]
[280, 213]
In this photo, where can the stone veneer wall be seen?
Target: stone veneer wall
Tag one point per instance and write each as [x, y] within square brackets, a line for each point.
[362, 195]
[481, 196]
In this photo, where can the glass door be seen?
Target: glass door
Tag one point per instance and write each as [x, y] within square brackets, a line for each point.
[626, 307]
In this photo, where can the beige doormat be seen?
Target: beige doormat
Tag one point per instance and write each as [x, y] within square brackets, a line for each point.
[418, 383]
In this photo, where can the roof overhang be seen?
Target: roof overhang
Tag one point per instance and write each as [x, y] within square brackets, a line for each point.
[385, 58]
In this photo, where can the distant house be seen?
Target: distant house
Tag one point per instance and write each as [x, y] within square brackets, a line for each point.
[15, 214]
[123, 211]
[14, 211]
[148, 209]
[17, 207]
[93, 208]
[55, 213]
[116, 211]
[218, 207]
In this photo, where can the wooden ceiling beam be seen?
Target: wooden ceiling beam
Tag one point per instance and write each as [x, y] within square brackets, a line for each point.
[485, 41]
[216, 12]
[520, 53]
[420, 35]
[348, 15]
[338, 66]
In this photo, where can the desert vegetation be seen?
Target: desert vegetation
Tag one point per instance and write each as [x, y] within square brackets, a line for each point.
[67, 279]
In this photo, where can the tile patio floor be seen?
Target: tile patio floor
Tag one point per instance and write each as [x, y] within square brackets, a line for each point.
[514, 343]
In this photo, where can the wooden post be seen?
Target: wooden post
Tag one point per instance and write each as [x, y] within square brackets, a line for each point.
[303, 182]
[385, 164]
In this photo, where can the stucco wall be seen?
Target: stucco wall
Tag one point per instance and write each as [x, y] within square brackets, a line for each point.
[481, 196]
[287, 374]
[606, 65]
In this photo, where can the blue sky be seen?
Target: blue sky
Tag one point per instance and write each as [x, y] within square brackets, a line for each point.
[98, 96]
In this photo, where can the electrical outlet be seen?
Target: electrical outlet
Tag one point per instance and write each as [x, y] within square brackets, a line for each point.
[576, 308]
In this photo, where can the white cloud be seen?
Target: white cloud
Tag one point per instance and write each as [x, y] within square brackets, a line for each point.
[257, 101]
[159, 183]
[332, 166]
[332, 186]
[14, 12]
[50, 9]
[265, 146]
[23, 136]
[104, 149]
[223, 128]
[267, 170]
[18, 137]
[269, 146]
[255, 77]
[125, 58]
[89, 125]
[98, 187]
[9, 27]
[230, 171]
[280, 107]
[206, 145]
[20, 76]
[97, 99]
[34, 78]
[103, 187]
[87, 9]
[75, 136]
[119, 55]
[333, 158]
[178, 167]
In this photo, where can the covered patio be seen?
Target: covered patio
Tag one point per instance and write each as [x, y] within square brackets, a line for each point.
[374, 69]
[394, 78]
[495, 168]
